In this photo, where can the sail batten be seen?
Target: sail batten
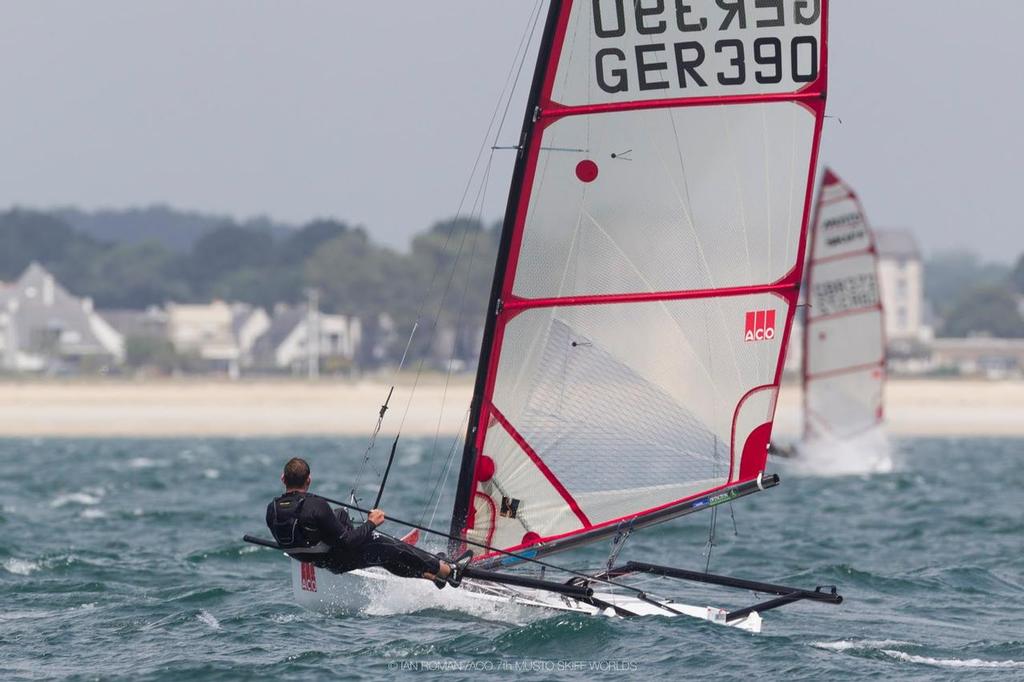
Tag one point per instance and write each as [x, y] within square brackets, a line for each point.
[654, 237]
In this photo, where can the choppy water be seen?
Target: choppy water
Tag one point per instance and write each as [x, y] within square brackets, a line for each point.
[122, 559]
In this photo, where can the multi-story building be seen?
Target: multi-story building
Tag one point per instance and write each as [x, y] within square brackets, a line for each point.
[901, 272]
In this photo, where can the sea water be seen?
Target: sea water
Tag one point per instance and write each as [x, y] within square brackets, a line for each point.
[123, 559]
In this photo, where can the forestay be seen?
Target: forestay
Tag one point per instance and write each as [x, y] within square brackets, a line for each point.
[650, 265]
[844, 343]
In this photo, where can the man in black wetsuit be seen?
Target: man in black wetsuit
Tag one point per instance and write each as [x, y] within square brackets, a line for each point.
[305, 526]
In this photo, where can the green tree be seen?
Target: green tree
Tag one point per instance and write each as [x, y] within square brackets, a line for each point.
[462, 253]
[226, 249]
[146, 351]
[985, 310]
[27, 236]
[1017, 276]
[949, 274]
[134, 276]
[297, 247]
[263, 287]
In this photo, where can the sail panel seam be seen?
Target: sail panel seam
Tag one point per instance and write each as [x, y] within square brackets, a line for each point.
[555, 110]
[847, 370]
[517, 304]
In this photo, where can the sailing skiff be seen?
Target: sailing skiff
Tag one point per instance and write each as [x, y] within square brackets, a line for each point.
[844, 345]
[648, 274]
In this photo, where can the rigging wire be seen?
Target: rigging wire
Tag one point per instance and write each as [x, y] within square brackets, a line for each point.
[476, 213]
[506, 94]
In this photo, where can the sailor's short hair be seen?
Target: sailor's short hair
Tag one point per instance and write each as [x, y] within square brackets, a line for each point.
[296, 471]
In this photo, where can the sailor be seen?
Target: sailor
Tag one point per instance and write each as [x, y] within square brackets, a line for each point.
[304, 525]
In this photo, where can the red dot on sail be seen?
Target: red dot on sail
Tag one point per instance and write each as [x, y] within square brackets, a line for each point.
[586, 170]
[484, 469]
[530, 538]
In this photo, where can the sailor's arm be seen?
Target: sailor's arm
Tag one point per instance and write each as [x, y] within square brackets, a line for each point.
[343, 535]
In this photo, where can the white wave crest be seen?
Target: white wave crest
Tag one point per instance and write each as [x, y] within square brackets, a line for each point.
[87, 497]
[21, 566]
[951, 662]
[885, 646]
[868, 453]
[284, 618]
[863, 644]
[208, 618]
[93, 514]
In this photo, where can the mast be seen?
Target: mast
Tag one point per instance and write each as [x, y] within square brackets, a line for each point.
[805, 326]
[464, 489]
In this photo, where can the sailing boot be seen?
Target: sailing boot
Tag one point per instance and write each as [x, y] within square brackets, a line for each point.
[458, 568]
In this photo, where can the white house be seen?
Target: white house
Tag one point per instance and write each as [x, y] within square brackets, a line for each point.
[901, 275]
[42, 326]
[203, 329]
[248, 324]
[286, 343]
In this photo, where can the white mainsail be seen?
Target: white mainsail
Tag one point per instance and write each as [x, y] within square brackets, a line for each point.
[650, 266]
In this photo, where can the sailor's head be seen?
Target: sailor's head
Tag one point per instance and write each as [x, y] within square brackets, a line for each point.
[296, 474]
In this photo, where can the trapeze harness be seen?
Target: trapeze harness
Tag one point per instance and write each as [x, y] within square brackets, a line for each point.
[301, 541]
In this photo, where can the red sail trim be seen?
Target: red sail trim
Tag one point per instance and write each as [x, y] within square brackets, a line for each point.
[517, 302]
[542, 467]
[850, 254]
[612, 522]
[555, 110]
[848, 370]
[735, 417]
[845, 313]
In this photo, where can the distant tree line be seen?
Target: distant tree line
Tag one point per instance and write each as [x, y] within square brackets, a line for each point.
[264, 263]
[446, 274]
[970, 297]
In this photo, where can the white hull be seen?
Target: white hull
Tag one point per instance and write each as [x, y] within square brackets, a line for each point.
[377, 591]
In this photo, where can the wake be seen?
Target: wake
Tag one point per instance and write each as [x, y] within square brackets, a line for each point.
[867, 453]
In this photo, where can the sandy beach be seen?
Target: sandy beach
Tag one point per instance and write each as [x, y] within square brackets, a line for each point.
[292, 407]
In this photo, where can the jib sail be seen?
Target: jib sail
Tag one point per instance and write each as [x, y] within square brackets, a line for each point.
[844, 343]
[649, 268]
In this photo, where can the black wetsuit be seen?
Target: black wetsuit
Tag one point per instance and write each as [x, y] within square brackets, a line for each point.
[305, 521]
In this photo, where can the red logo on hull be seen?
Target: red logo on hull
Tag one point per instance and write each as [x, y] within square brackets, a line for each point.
[760, 325]
[307, 576]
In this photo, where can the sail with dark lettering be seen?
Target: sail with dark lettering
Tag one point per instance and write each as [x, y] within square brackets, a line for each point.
[844, 339]
[649, 268]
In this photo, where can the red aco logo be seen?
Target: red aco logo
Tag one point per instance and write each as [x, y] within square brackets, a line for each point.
[760, 325]
[307, 576]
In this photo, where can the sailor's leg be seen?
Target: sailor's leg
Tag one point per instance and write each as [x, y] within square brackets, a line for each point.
[401, 559]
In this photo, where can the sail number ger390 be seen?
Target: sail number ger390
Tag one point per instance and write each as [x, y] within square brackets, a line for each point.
[648, 46]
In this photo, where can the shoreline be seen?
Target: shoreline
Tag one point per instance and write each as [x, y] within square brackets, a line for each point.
[290, 407]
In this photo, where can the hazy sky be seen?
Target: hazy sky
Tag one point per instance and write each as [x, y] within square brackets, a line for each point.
[372, 112]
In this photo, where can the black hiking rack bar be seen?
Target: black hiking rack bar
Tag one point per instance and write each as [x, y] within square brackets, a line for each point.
[261, 542]
[787, 595]
[581, 592]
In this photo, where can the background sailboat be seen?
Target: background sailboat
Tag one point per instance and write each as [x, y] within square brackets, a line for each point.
[843, 359]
